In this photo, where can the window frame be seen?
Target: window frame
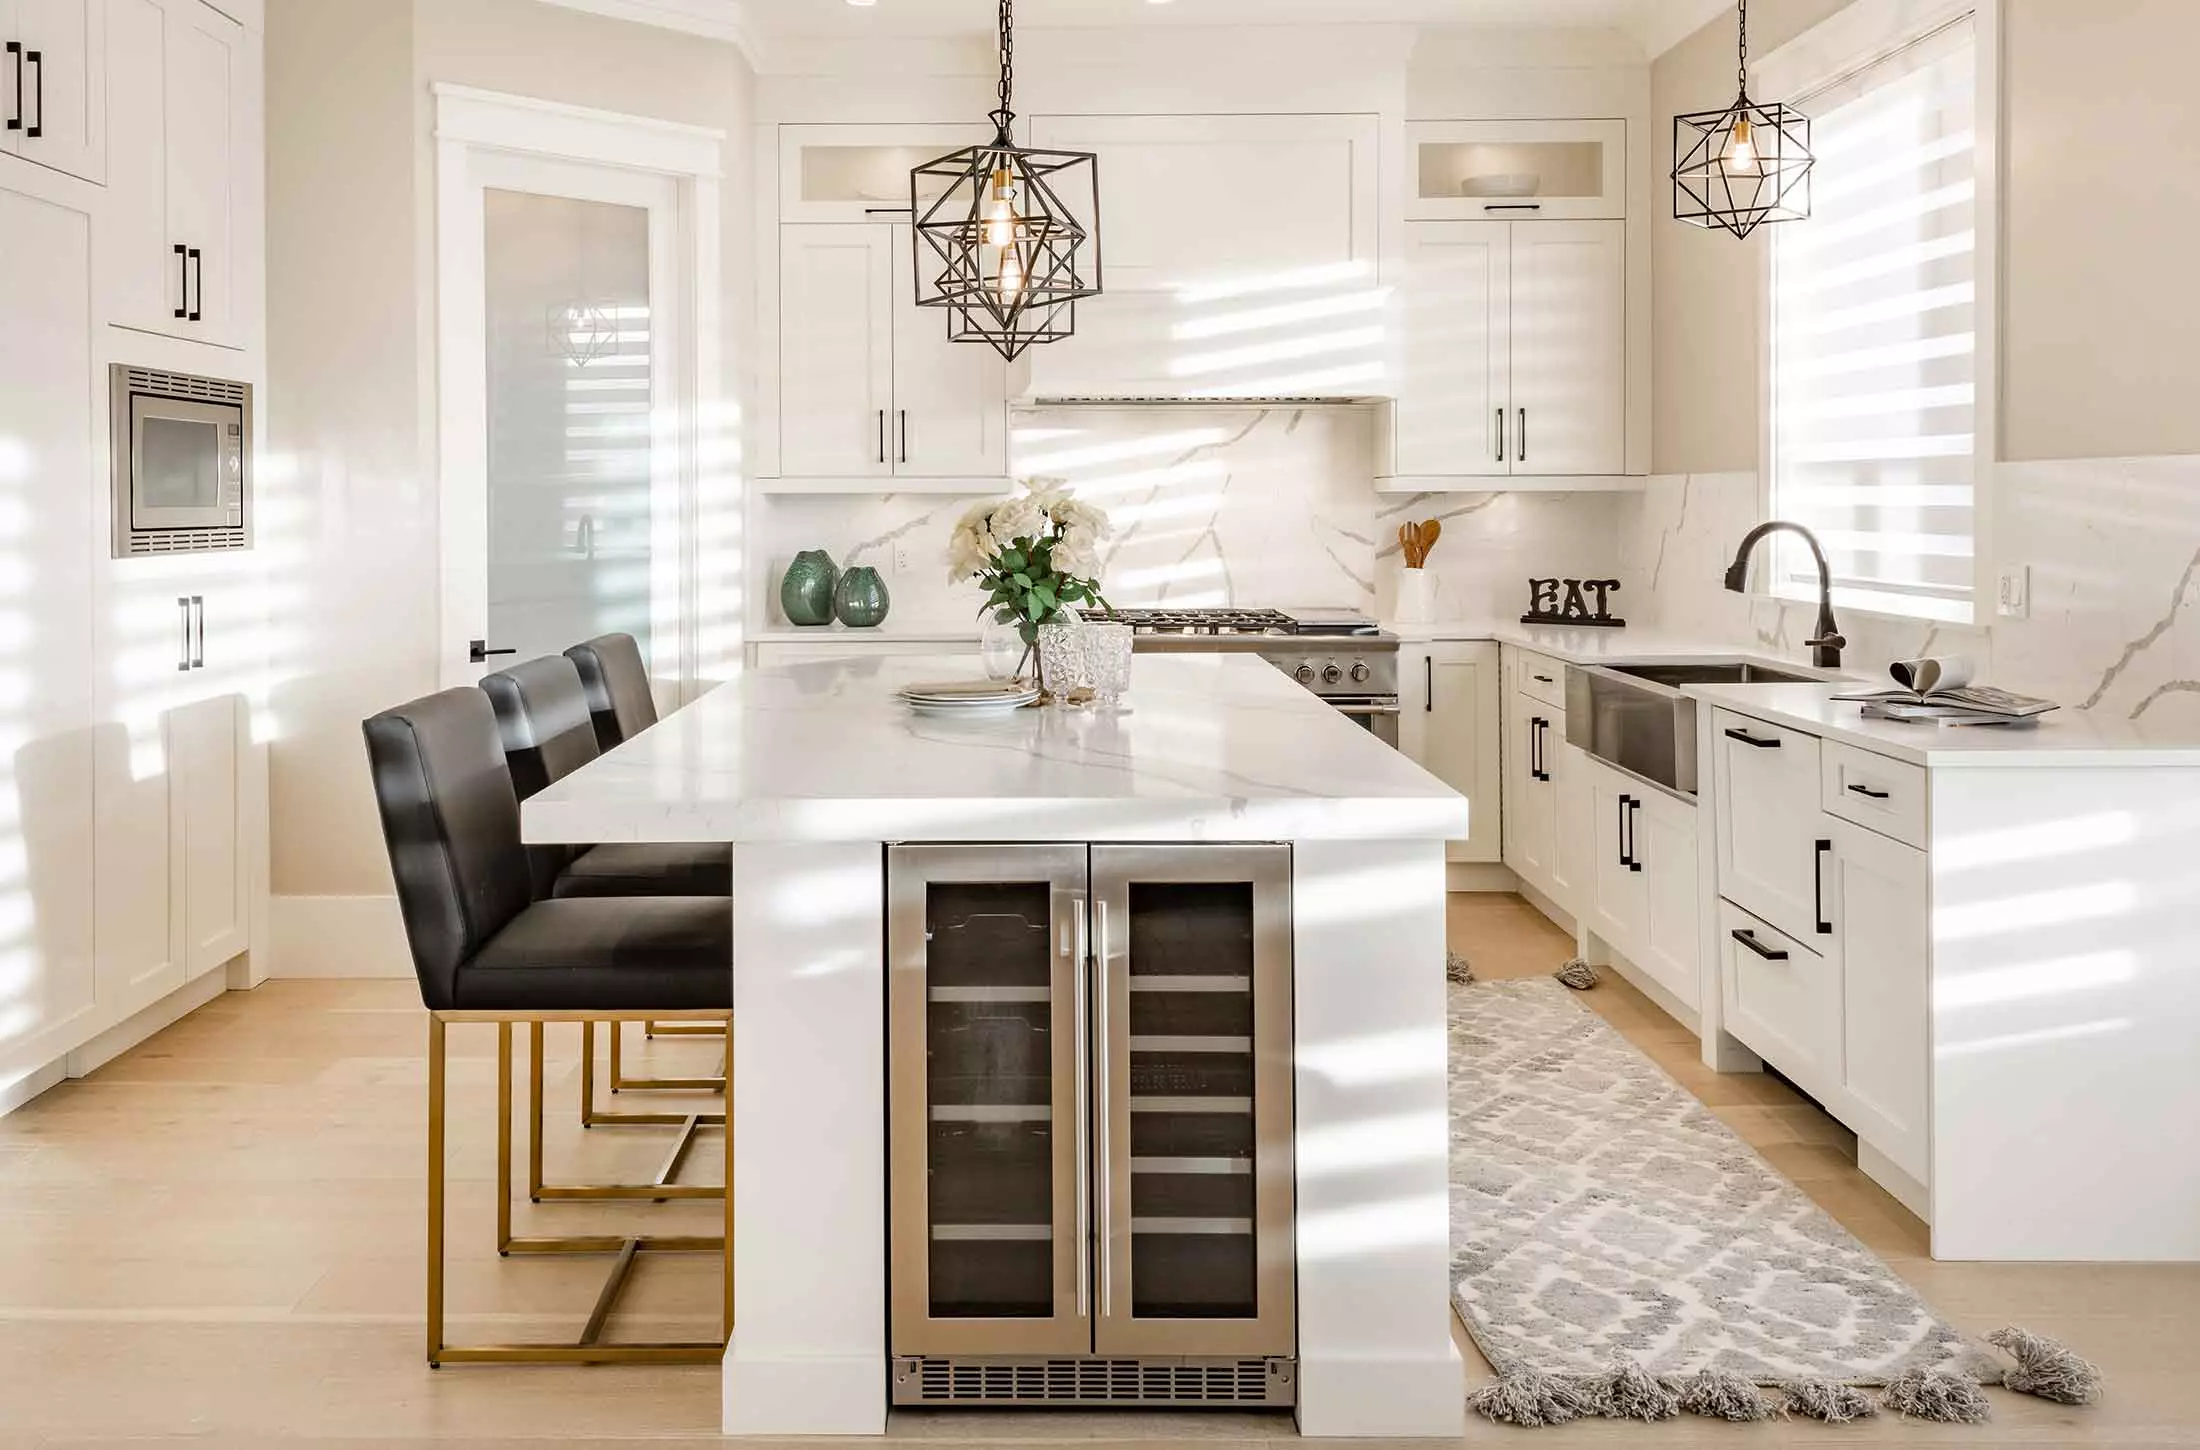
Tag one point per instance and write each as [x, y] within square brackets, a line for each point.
[1852, 40]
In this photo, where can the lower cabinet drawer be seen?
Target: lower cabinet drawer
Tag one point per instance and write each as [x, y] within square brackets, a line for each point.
[1542, 678]
[1887, 796]
[1782, 999]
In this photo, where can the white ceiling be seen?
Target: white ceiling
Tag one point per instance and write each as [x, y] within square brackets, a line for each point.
[1657, 24]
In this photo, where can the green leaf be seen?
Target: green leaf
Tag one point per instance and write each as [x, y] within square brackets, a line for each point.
[1023, 580]
[1045, 590]
[1012, 560]
[1033, 609]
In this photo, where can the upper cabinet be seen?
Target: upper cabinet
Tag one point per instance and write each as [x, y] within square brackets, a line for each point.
[53, 87]
[1239, 258]
[180, 85]
[1509, 170]
[869, 385]
[1514, 340]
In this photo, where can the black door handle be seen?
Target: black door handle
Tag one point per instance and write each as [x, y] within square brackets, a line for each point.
[882, 435]
[478, 651]
[905, 435]
[1520, 443]
[1428, 684]
[1818, 888]
[1868, 793]
[197, 259]
[37, 127]
[1536, 726]
[1626, 846]
[1748, 739]
[1544, 680]
[183, 280]
[1634, 808]
[1749, 939]
[1500, 435]
[15, 53]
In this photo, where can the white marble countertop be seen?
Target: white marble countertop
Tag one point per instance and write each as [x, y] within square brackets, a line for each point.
[2063, 738]
[1215, 747]
[888, 633]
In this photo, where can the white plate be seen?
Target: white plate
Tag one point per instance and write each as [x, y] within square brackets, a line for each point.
[989, 707]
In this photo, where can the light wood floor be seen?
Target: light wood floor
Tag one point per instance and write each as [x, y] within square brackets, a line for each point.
[218, 1239]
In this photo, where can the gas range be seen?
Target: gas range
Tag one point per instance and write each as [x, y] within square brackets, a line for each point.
[1340, 654]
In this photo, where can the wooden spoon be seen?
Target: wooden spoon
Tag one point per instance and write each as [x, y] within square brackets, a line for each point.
[1407, 542]
[1430, 533]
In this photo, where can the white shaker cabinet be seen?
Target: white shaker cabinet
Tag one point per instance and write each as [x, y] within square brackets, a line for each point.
[181, 93]
[49, 417]
[1770, 859]
[53, 86]
[1452, 702]
[206, 745]
[1514, 347]
[870, 387]
[1641, 883]
[1877, 900]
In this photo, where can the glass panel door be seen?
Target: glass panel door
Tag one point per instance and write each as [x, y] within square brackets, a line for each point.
[1193, 948]
[990, 1212]
[571, 386]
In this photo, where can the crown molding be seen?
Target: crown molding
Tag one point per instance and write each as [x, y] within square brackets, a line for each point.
[722, 20]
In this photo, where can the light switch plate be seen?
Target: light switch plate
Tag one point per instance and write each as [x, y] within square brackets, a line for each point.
[2013, 595]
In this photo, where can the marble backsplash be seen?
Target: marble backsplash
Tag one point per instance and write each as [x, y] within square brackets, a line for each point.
[2114, 550]
[1268, 506]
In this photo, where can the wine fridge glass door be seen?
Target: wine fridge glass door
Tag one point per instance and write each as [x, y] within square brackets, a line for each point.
[1192, 947]
[989, 1100]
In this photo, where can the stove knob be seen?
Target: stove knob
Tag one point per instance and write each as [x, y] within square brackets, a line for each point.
[1331, 674]
[1360, 672]
[1304, 674]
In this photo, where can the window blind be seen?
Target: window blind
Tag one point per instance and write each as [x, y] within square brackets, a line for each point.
[1874, 301]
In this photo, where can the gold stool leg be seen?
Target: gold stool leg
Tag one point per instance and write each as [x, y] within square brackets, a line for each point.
[621, 1082]
[662, 1189]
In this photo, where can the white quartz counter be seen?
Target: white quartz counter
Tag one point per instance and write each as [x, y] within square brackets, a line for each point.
[2063, 738]
[1215, 747]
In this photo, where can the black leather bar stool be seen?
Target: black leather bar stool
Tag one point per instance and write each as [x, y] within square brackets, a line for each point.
[622, 706]
[542, 714]
[486, 950]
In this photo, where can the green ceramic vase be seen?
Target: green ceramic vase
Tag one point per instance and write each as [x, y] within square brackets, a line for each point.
[861, 599]
[806, 593]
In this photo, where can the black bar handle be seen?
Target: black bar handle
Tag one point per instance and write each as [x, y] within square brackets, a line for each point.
[478, 651]
[882, 435]
[198, 277]
[1512, 206]
[1634, 808]
[1500, 435]
[1543, 680]
[1536, 769]
[1428, 684]
[1868, 793]
[905, 435]
[1818, 888]
[15, 53]
[183, 280]
[1626, 846]
[1748, 739]
[37, 58]
[1520, 443]
[1748, 939]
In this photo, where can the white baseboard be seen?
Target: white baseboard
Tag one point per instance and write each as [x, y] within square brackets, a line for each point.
[1882, 1170]
[1480, 876]
[339, 936]
[132, 1030]
[31, 1084]
[1559, 915]
[1602, 956]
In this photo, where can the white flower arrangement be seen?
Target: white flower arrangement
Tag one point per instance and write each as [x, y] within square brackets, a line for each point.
[1037, 555]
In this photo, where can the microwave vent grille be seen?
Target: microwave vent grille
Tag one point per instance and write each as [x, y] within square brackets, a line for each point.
[1095, 1381]
[183, 385]
[185, 541]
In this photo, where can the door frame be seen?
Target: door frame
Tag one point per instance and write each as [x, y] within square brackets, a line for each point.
[474, 127]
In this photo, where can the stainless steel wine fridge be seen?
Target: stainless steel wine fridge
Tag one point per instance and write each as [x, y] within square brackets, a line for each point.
[1090, 1101]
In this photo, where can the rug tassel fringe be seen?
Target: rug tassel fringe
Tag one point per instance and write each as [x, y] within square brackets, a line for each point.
[2046, 1368]
[1719, 1394]
[1828, 1400]
[1633, 1393]
[1531, 1400]
[1577, 974]
[1457, 969]
[1937, 1395]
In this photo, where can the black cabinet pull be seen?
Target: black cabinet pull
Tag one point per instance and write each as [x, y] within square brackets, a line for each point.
[37, 127]
[905, 435]
[15, 53]
[1520, 440]
[1537, 770]
[1512, 206]
[1500, 435]
[1748, 739]
[1818, 888]
[478, 651]
[198, 277]
[1749, 939]
[183, 280]
[1634, 809]
[1545, 680]
[1868, 793]
[1626, 847]
[882, 435]
[1428, 684]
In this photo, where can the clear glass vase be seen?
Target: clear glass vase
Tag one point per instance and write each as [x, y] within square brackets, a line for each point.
[1002, 649]
[1061, 650]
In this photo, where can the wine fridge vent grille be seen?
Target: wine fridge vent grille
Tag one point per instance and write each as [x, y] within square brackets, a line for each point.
[1243, 1383]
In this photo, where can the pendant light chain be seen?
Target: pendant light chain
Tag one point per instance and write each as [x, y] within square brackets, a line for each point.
[1741, 67]
[1008, 65]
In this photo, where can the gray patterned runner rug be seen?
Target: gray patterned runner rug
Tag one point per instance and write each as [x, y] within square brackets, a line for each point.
[1601, 1217]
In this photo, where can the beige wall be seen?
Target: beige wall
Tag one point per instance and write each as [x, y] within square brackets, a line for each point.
[2101, 205]
[351, 394]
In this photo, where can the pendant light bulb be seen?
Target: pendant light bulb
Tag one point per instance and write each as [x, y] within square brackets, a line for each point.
[1001, 220]
[1010, 282]
[1740, 156]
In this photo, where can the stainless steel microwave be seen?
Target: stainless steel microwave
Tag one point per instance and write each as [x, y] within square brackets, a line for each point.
[182, 462]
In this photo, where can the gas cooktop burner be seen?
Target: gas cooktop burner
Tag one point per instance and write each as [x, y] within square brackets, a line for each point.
[1202, 621]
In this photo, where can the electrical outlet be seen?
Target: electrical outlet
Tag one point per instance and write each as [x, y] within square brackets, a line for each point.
[2013, 595]
[901, 557]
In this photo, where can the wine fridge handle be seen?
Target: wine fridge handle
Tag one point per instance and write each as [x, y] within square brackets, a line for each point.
[1080, 986]
[1104, 1157]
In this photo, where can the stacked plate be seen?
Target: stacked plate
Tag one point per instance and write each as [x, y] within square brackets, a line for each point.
[969, 697]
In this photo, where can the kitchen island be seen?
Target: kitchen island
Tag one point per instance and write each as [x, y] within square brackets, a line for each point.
[813, 773]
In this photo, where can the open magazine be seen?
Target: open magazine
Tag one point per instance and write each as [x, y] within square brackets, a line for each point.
[1940, 690]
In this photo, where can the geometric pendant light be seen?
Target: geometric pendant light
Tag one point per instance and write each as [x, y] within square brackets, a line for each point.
[1743, 165]
[999, 244]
